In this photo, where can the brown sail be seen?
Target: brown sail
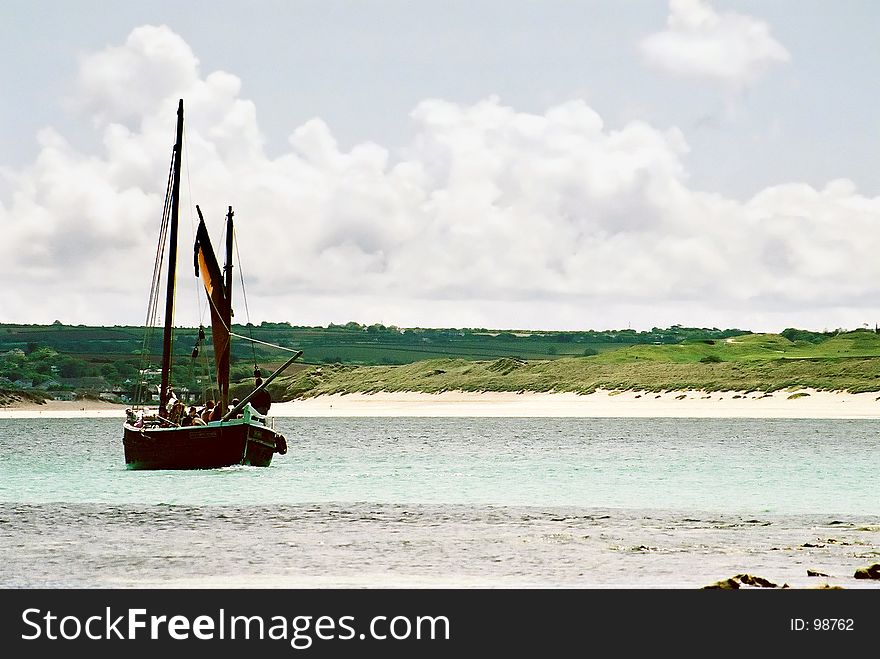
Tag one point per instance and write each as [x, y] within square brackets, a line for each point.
[221, 310]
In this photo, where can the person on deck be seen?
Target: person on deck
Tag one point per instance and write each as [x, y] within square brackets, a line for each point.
[206, 412]
[187, 419]
[218, 411]
[177, 412]
[196, 417]
[262, 400]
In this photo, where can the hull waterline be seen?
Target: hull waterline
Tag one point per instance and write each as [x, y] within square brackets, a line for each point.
[201, 447]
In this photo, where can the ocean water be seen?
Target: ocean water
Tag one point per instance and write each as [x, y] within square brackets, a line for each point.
[459, 502]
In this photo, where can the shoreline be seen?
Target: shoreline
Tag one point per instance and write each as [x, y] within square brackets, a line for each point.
[810, 404]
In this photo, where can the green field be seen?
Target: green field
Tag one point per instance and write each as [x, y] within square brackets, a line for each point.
[353, 357]
[351, 343]
[64, 358]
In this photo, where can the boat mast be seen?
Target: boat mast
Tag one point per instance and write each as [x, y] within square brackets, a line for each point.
[227, 272]
[164, 390]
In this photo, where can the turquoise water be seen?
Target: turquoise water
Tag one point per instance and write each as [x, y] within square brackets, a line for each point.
[449, 502]
[725, 465]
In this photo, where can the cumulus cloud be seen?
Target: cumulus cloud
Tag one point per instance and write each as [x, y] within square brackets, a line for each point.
[735, 49]
[117, 83]
[488, 217]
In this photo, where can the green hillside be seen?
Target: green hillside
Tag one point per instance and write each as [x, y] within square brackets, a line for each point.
[760, 362]
[76, 360]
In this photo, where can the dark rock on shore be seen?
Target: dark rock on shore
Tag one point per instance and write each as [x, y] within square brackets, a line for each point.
[726, 584]
[751, 580]
[746, 580]
[870, 572]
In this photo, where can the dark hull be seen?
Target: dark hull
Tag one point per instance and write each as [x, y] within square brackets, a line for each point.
[200, 447]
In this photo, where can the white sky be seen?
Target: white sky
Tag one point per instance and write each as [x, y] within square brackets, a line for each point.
[509, 164]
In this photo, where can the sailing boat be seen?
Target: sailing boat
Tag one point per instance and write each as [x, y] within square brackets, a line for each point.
[243, 436]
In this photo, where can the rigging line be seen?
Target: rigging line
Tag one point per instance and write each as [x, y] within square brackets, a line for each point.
[211, 377]
[152, 305]
[171, 201]
[160, 250]
[246, 338]
[188, 179]
[210, 301]
[247, 311]
[192, 225]
[228, 340]
[204, 377]
[265, 343]
[203, 353]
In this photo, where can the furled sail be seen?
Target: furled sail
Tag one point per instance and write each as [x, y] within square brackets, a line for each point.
[221, 309]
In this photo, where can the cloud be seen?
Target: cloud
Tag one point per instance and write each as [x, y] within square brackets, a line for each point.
[116, 83]
[488, 217]
[734, 49]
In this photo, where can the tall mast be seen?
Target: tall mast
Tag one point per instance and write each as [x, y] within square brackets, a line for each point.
[172, 263]
[227, 272]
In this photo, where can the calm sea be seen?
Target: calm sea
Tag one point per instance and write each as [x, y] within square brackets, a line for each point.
[450, 502]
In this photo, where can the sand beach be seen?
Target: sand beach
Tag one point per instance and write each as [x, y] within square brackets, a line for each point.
[802, 404]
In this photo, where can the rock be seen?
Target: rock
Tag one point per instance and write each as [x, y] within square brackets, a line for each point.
[827, 586]
[746, 580]
[751, 580]
[643, 548]
[726, 584]
[815, 573]
[870, 572]
[835, 541]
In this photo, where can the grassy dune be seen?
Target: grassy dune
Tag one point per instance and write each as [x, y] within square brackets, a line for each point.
[758, 362]
[9, 397]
